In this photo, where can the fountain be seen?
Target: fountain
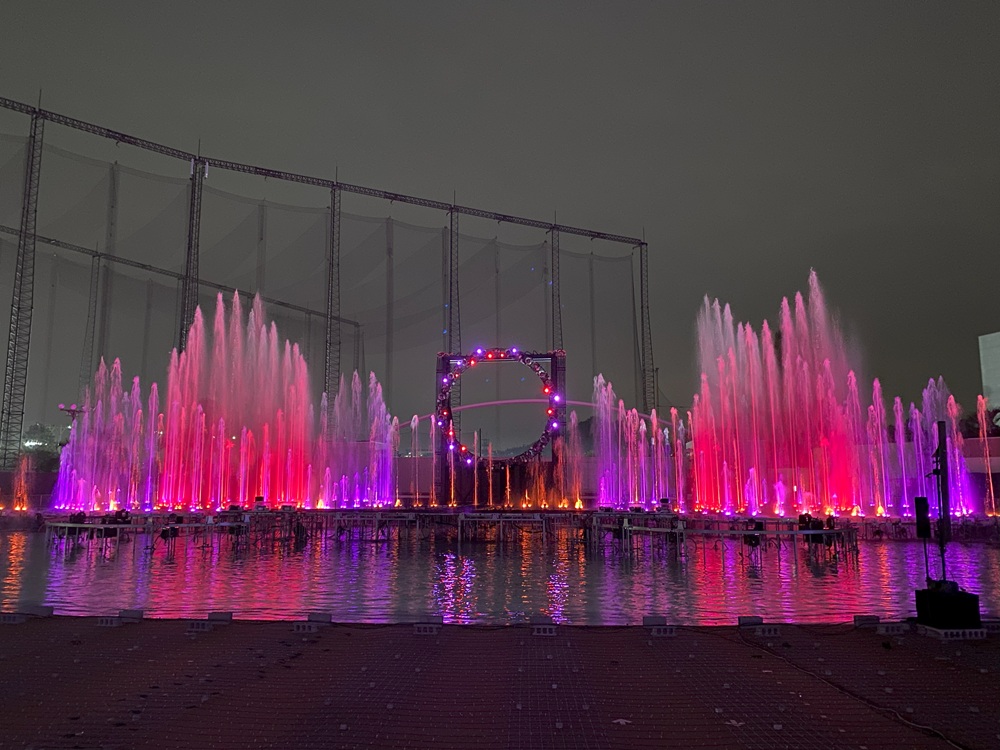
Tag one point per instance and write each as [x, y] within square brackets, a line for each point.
[632, 456]
[237, 426]
[780, 411]
[779, 427]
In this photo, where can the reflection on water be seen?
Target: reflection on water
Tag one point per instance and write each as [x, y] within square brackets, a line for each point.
[482, 583]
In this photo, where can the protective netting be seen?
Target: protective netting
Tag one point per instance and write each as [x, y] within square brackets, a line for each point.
[393, 286]
[600, 311]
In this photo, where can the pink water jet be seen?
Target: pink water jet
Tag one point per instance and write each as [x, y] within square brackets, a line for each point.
[237, 424]
[780, 412]
[779, 427]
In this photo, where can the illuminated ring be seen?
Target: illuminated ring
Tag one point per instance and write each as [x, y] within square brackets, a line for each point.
[443, 415]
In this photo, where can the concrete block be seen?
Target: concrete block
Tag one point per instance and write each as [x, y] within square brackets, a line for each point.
[543, 626]
[767, 631]
[892, 628]
[952, 634]
[428, 625]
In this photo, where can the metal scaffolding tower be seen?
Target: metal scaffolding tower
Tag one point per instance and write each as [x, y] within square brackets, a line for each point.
[16, 372]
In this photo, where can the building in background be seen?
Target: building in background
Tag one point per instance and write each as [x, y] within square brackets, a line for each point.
[989, 363]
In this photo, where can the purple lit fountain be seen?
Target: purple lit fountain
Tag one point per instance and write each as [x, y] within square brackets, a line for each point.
[632, 454]
[237, 424]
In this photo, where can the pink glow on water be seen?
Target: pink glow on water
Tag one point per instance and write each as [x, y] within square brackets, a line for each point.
[237, 423]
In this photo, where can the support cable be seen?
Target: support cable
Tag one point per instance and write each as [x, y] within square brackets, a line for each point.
[232, 166]
[270, 301]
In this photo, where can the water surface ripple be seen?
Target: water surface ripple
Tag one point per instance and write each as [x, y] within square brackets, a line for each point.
[399, 581]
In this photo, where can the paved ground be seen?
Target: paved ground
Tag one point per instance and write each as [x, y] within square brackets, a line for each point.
[66, 683]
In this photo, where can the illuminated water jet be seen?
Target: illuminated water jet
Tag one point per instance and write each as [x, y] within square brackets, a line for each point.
[237, 424]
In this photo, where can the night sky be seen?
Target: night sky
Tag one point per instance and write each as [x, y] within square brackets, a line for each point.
[750, 142]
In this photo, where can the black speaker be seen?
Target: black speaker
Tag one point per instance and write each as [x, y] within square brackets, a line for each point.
[922, 508]
[944, 606]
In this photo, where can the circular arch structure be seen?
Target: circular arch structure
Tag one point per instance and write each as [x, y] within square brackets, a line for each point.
[450, 369]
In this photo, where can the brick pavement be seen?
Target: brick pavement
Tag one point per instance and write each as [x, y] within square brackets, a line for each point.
[66, 683]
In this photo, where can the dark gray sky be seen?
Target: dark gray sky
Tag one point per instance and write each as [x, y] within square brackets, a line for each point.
[750, 141]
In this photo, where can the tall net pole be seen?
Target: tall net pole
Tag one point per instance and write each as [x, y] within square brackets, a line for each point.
[390, 297]
[107, 273]
[454, 320]
[87, 354]
[331, 359]
[648, 380]
[557, 336]
[189, 285]
[22, 298]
